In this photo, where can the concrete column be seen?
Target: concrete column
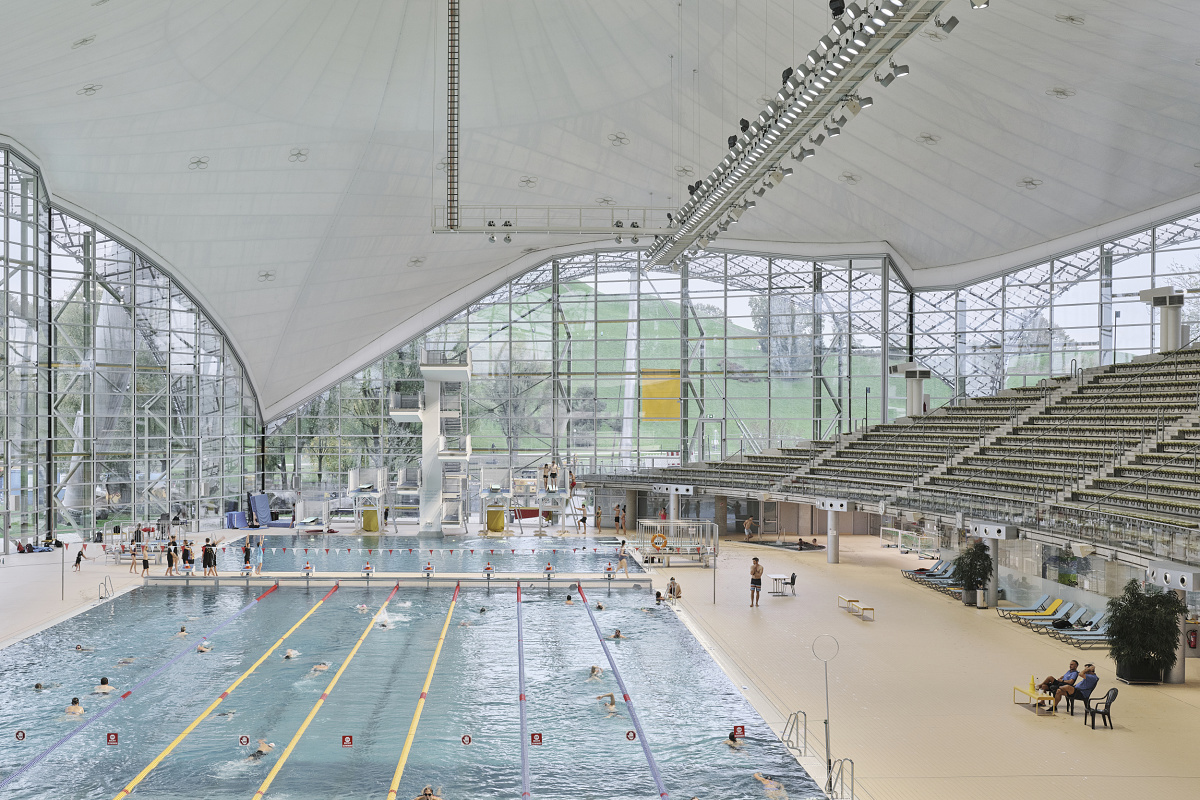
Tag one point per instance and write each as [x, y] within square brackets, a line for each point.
[720, 512]
[1170, 322]
[1176, 675]
[832, 554]
[916, 396]
[431, 465]
[673, 507]
[993, 587]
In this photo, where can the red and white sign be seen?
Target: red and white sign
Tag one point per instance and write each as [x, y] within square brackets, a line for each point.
[20, 736]
[243, 740]
[631, 735]
[466, 739]
[535, 738]
[347, 741]
[739, 731]
[112, 738]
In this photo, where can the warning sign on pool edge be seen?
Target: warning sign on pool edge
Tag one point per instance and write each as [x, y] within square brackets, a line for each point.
[347, 741]
[20, 736]
[112, 738]
[466, 739]
[243, 740]
[535, 738]
[631, 735]
[739, 730]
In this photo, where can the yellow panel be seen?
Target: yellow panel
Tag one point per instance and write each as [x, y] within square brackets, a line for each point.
[660, 394]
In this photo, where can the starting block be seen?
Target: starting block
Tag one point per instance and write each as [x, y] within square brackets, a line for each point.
[428, 569]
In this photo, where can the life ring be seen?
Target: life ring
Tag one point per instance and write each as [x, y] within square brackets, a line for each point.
[659, 540]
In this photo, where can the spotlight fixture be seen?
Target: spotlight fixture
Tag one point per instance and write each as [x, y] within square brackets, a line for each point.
[634, 237]
[744, 124]
[617, 239]
[837, 7]
[947, 26]
[508, 238]
[787, 73]
[731, 141]
[819, 139]
[899, 70]
[492, 238]
[854, 10]
[886, 80]
[832, 129]
[803, 153]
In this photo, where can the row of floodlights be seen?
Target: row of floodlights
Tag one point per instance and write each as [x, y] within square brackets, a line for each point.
[633, 237]
[801, 88]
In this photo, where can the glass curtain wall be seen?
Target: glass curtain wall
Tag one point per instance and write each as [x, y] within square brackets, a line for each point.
[602, 362]
[124, 402]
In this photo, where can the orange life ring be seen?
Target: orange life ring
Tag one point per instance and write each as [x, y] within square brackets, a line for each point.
[659, 540]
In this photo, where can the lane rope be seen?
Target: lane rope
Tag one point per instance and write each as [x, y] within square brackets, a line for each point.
[121, 698]
[637, 725]
[412, 728]
[287, 752]
[521, 682]
[204, 715]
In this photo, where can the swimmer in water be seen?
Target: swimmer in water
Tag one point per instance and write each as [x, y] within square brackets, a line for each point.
[610, 705]
[599, 606]
[104, 688]
[322, 667]
[290, 654]
[483, 611]
[774, 789]
[385, 621]
[204, 647]
[464, 624]
[38, 687]
[226, 714]
[74, 708]
[81, 649]
[182, 631]
[263, 748]
[618, 635]
[126, 661]
[596, 673]
[428, 794]
[569, 602]
[361, 608]
[733, 742]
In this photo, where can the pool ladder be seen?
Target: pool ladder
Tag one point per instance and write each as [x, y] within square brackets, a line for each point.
[795, 733]
[106, 588]
[837, 787]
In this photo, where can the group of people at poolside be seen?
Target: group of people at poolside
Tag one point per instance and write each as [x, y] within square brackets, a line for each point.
[1075, 683]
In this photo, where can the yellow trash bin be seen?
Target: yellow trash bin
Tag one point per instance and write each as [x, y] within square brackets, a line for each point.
[495, 520]
[370, 520]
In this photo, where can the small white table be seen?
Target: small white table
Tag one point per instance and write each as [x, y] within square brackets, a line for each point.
[779, 584]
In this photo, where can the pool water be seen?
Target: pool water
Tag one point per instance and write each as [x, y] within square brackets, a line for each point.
[686, 703]
[289, 552]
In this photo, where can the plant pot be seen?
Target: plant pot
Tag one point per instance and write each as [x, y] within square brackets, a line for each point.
[969, 596]
[1138, 672]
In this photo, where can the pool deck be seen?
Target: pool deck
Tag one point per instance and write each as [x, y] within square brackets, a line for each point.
[921, 700]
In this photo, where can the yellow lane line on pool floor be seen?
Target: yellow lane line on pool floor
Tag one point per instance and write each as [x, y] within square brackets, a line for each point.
[412, 728]
[266, 784]
[158, 760]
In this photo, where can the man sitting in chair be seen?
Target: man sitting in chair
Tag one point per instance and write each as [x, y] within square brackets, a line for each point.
[1052, 684]
[1082, 690]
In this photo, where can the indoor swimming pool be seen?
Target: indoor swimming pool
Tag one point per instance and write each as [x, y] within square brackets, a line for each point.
[334, 553]
[468, 744]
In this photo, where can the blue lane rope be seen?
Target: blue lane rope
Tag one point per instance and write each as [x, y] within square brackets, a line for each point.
[637, 725]
[189, 649]
[521, 682]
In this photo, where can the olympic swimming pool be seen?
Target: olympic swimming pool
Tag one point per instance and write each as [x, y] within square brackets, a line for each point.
[685, 702]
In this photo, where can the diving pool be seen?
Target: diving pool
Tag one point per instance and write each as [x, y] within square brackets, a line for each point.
[340, 553]
[686, 704]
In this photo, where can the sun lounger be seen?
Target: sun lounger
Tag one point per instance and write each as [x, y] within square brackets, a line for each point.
[1038, 606]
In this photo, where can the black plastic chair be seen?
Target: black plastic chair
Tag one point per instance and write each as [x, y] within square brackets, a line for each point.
[793, 583]
[1103, 707]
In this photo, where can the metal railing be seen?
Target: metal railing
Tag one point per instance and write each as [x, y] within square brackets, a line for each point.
[837, 786]
[795, 733]
[454, 358]
[1101, 401]
[106, 589]
[687, 537]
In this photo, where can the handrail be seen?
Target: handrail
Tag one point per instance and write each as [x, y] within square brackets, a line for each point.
[795, 733]
[1103, 400]
[1191, 450]
[837, 786]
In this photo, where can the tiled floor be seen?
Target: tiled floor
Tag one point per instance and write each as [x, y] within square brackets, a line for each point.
[921, 699]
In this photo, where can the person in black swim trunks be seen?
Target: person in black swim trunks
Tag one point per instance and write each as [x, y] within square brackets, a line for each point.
[756, 572]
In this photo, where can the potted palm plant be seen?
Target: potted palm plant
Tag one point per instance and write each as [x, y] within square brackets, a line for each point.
[1143, 632]
[972, 570]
